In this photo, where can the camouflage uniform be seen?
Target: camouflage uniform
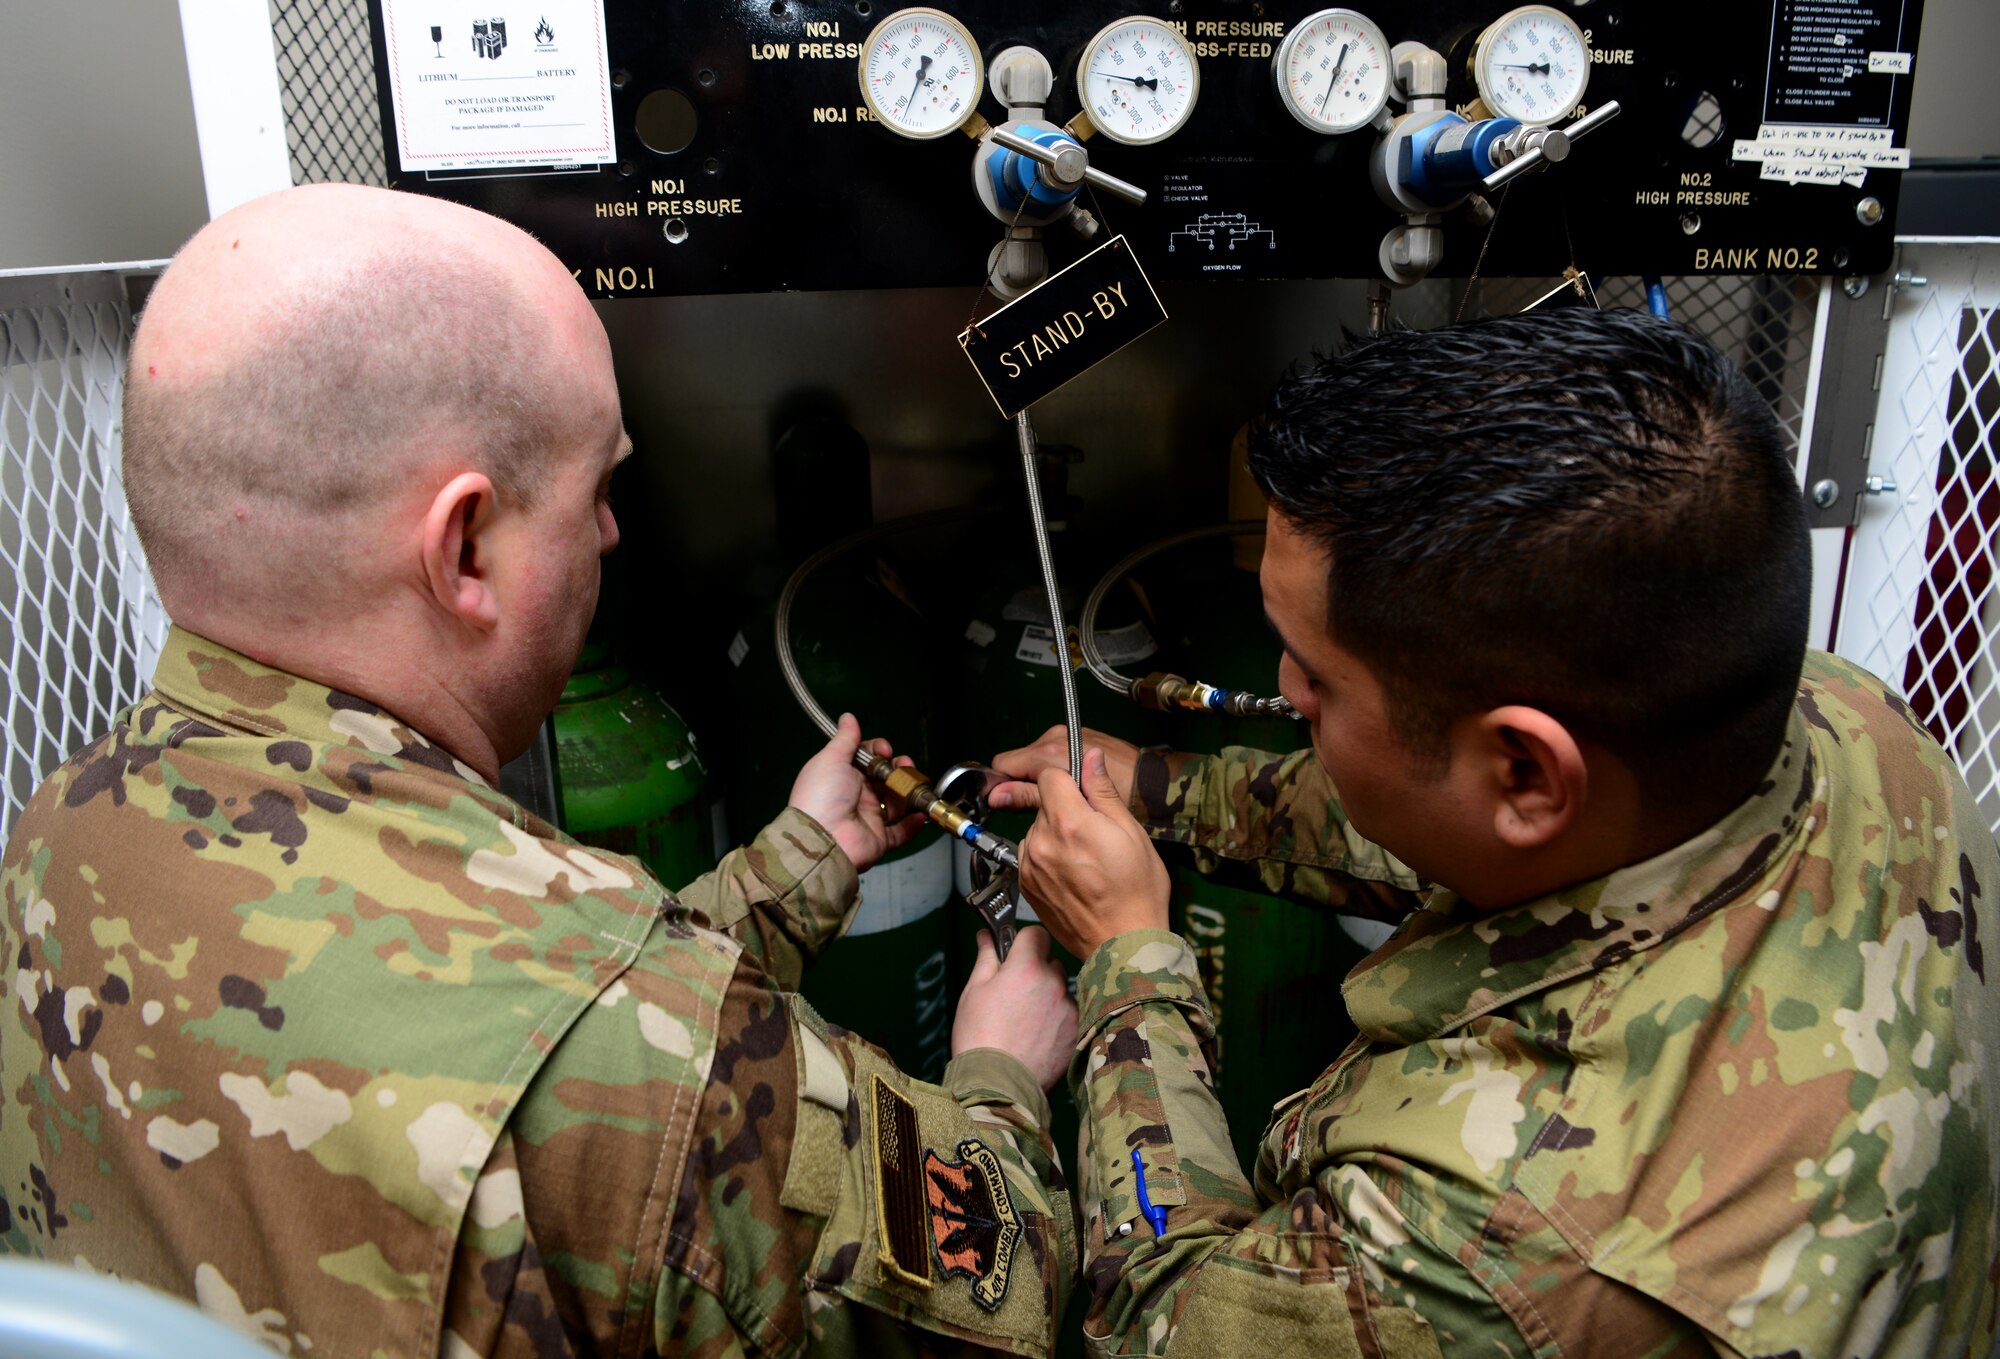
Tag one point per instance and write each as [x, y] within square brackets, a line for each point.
[315, 1027]
[1740, 1097]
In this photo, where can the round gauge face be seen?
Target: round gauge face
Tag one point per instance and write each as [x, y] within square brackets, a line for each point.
[1138, 81]
[1332, 71]
[1531, 64]
[921, 73]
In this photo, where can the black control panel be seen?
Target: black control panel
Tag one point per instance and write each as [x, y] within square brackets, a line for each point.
[1754, 137]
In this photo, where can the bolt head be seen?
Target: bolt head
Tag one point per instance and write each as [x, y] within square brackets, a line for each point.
[1870, 212]
[1071, 161]
[1854, 285]
[1826, 493]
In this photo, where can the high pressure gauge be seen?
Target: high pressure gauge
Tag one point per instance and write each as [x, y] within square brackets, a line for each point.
[1332, 71]
[1531, 64]
[1138, 81]
[921, 73]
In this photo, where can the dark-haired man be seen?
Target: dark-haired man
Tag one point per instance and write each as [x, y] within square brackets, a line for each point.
[1686, 1044]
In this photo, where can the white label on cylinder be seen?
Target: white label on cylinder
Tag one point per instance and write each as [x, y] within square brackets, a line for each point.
[1037, 647]
[1122, 646]
[980, 633]
[738, 649]
[903, 890]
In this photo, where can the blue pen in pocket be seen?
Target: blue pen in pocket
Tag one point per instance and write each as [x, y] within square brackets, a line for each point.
[1157, 1217]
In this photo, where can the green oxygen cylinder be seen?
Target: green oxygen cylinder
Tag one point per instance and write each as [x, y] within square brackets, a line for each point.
[631, 778]
[862, 646]
[1272, 967]
[1010, 690]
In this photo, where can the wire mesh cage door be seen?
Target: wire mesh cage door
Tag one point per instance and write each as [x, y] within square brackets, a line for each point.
[1919, 608]
[82, 624]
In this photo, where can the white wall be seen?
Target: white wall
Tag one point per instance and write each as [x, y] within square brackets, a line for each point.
[98, 159]
[1957, 113]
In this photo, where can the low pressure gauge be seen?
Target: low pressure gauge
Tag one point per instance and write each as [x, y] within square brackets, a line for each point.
[1531, 64]
[921, 73]
[1138, 80]
[1332, 71]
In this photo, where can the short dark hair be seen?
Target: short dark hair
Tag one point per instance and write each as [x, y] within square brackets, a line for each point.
[1592, 513]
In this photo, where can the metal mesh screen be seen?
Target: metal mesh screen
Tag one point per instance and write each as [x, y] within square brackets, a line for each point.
[1764, 322]
[1920, 608]
[326, 75]
[81, 624]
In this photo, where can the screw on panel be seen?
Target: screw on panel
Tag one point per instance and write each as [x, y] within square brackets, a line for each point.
[1825, 493]
[1854, 285]
[1870, 212]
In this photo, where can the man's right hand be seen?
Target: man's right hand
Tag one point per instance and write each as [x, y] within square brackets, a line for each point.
[1021, 1006]
[1052, 752]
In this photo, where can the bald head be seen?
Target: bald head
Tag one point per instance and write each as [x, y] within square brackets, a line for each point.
[312, 355]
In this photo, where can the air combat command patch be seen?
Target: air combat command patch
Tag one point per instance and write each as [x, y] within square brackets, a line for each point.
[974, 1227]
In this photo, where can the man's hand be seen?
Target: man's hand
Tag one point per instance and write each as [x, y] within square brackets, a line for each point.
[1052, 752]
[867, 822]
[1021, 1006]
[1087, 864]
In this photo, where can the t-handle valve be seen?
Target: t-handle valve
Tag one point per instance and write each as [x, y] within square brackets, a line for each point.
[1528, 148]
[1066, 166]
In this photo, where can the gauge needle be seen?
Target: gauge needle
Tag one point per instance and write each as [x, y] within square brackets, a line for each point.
[1141, 81]
[923, 65]
[1541, 69]
[1334, 78]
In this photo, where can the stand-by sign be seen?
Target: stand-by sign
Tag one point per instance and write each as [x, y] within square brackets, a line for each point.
[1063, 327]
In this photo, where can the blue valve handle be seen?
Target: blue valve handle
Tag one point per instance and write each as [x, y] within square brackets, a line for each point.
[1017, 182]
[1447, 160]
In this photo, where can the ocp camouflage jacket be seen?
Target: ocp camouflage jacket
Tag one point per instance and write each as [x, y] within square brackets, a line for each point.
[314, 1027]
[1739, 1098]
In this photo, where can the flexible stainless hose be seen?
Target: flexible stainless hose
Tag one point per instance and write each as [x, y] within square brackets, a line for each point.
[1072, 715]
[1086, 624]
[782, 625]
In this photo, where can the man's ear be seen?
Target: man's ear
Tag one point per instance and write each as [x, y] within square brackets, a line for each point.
[456, 551]
[1537, 777]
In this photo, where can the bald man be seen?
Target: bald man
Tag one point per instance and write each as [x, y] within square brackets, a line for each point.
[314, 1026]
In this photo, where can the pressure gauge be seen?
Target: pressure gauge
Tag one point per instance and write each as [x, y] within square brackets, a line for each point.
[1138, 80]
[921, 73]
[1531, 64]
[1332, 71]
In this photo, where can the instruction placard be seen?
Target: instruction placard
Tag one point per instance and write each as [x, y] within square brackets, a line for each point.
[1835, 61]
[477, 85]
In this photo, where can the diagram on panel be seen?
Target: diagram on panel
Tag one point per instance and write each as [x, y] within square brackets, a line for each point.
[1232, 228]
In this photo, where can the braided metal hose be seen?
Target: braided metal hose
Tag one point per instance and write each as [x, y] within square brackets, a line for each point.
[1072, 714]
[1175, 691]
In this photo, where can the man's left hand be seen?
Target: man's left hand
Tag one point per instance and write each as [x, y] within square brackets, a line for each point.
[1086, 863]
[865, 821]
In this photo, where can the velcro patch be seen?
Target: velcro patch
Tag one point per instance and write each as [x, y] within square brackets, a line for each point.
[974, 1227]
[899, 1187]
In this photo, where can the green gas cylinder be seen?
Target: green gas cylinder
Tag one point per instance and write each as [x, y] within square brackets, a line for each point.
[861, 649]
[1010, 690]
[862, 646]
[1272, 967]
[631, 778]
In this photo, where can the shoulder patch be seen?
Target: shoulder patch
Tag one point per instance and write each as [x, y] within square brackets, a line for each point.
[974, 1227]
[899, 1187]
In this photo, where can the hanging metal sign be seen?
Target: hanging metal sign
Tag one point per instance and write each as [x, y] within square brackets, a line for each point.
[1062, 328]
